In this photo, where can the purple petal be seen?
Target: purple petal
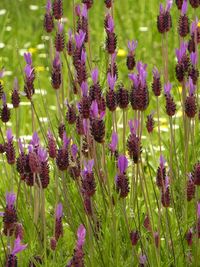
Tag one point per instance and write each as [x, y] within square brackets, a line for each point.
[95, 74]
[169, 5]
[114, 142]
[9, 135]
[10, 199]
[84, 11]
[28, 58]
[70, 34]
[84, 88]
[111, 81]
[60, 27]
[194, 25]
[94, 109]
[167, 88]
[59, 211]
[143, 259]
[166, 182]
[194, 58]
[35, 139]
[81, 234]
[42, 154]
[18, 246]
[156, 73]
[132, 45]
[134, 78]
[122, 164]
[113, 58]
[74, 151]
[21, 147]
[1, 214]
[56, 61]
[162, 161]
[66, 140]
[133, 125]
[28, 71]
[83, 56]
[102, 115]
[111, 26]
[89, 165]
[78, 10]
[79, 38]
[184, 7]
[48, 6]
[191, 86]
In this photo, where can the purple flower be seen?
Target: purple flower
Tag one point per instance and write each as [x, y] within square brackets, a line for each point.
[42, 154]
[70, 34]
[84, 11]
[18, 246]
[84, 88]
[81, 233]
[48, 6]
[156, 73]
[95, 74]
[10, 199]
[60, 27]
[132, 45]
[194, 26]
[194, 58]
[35, 140]
[166, 182]
[167, 88]
[190, 86]
[114, 142]
[184, 7]
[59, 211]
[111, 26]
[133, 125]
[122, 164]
[9, 135]
[162, 161]
[113, 58]
[182, 51]
[198, 210]
[74, 151]
[1, 214]
[66, 140]
[161, 9]
[83, 56]
[111, 81]
[79, 38]
[28, 58]
[94, 109]
[142, 73]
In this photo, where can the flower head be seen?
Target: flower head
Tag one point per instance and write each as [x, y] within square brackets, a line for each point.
[83, 56]
[184, 7]
[42, 154]
[190, 86]
[28, 58]
[21, 147]
[66, 140]
[94, 109]
[122, 164]
[18, 246]
[156, 73]
[10, 199]
[111, 25]
[194, 58]
[114, 142]
[133, 125]
[84, 11]
[59, 211]
[60, 27]
[9, 135]
[181, 51]
[29, 71]
[35, 141]
[162, 161]
[88, 166]
[48, 6]
[56, 61]
[74, 151]
[84, 88]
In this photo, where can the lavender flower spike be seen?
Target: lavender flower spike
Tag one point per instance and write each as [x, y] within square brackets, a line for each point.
[133, 125]
[35, 139]
[66, 140]
[84, 11]
[28, 58]
[56, 61]
[143, 259]
[184, 7]
[181, 52]
[81, 233]
[132, 45]
[114, 142]
[48, 6]
[74, 151]
[9, 135]
[89, 166]
[95, 74]
[169, 5]
[18, 246]
[42, 154]
[111, 81]
[194, 58]
[167, 88]
[10, 199]
[60, 27]
[83, 57]
[162, 161]
[59, 211]
[122, 164]
[21, 147]
[191, 86]
[29, 71]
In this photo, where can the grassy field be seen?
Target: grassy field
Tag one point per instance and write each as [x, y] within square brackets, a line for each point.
[108, 230]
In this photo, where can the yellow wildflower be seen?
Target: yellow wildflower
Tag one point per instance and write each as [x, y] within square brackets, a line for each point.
[32, 50]
[121, 53]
